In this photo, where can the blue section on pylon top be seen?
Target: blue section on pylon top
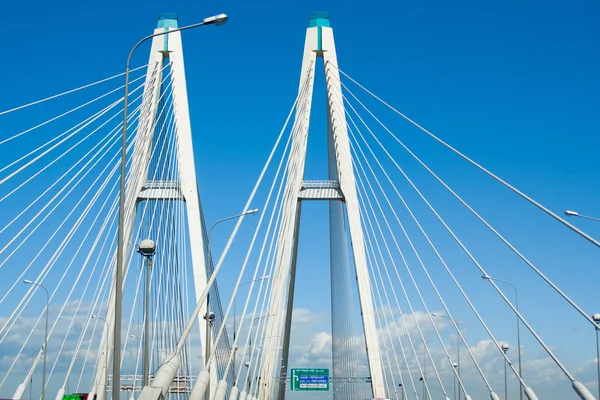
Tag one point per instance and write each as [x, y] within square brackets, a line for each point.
[168, 20]
[319, 19]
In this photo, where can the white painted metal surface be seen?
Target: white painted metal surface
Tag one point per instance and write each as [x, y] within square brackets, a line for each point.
[340, 170]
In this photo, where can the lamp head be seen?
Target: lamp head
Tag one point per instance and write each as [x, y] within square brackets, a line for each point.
[570, 213]
[27, 281]
[253, 211]
[218, 19]
[504, 347]
[596, 317]
[147, 248]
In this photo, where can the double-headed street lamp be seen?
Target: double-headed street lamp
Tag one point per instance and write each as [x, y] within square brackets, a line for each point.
[28, 282]
[424, 377]
[234, 318]
[457, 364]
[216, 20]
[489, 278]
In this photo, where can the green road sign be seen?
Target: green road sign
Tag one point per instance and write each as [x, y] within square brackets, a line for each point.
[310, 379]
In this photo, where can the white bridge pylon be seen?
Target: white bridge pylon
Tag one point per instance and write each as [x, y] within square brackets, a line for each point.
[340, 191]
[140, 187]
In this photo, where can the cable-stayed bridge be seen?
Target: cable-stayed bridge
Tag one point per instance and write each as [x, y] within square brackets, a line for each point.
[398, 253]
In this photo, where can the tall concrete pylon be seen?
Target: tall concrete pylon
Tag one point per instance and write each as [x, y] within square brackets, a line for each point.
[165, 48]
[340, 191]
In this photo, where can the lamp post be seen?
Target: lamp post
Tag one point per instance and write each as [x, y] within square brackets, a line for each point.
[504, 348]
[209, 317]
[249, 212]
[457, 367]
[234, 318]
[209, 323]
[216, 20]
[596, 318]
[424, 377]
[94, 316]
[570, 213]
[489, 278]
[147, 249]
[28, 282]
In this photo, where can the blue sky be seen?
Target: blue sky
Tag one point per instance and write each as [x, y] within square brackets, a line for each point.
[514, 85]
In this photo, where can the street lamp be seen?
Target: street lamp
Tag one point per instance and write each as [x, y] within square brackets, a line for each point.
[248, 212]
[216, 20]
[28, 282]
[147, 249]
[209, 317]
[457, 346]
[94, 316]
[570, 213]
[596, 318]
[424, 377]
[234, 318]
[504, 347]
[455, 366]
[489, 278]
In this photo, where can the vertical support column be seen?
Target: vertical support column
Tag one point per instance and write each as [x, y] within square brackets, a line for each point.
[337, 120]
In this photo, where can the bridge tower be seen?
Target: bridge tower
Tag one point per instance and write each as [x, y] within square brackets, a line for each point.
[165, 49]
[344, 214]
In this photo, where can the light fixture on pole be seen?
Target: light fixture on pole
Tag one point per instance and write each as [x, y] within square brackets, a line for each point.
[570, 213]
[489, 278]
[118, 287]
[249, 212]
[234, 320]
[28, 282]
[147, 249]
[424, 377]
[504, 347]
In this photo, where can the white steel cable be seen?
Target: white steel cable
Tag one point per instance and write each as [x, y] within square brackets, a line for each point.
[473, 308]
[70, 91]
[94, 116]
[488, 225]
[369, 228]
[419, 258]
[542, 343]
[407, 236]
[498, 179]
[64, 114]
